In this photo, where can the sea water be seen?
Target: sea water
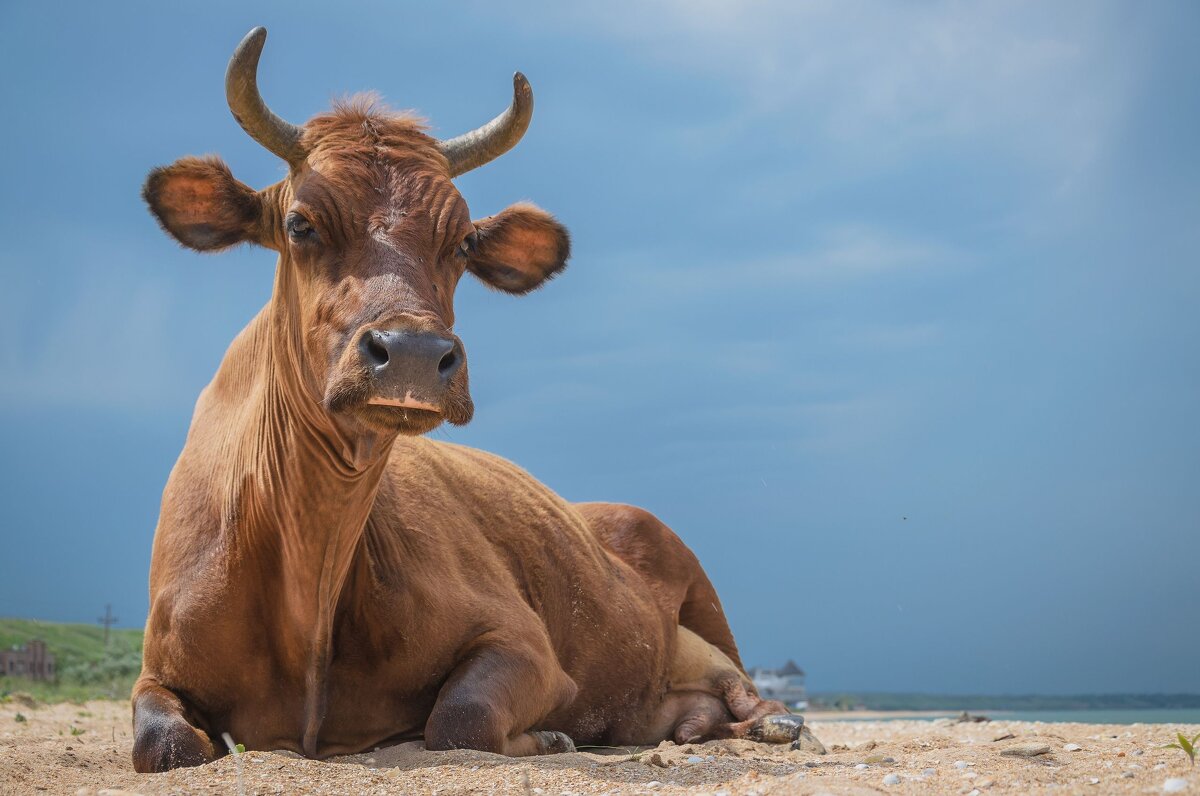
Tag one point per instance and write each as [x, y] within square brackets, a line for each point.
[1125, 716]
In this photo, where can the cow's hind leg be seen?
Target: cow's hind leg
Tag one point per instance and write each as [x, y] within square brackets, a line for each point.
[163, 738]
[495, 698]
[712, 698]
[672, 570]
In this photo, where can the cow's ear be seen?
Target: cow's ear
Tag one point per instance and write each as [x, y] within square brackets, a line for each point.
[199, 203]
[519, 248]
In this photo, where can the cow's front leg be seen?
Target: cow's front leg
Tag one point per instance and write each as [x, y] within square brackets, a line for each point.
[162, 737]
[495, 698]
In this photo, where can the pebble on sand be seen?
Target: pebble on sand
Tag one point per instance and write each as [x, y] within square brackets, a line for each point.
[1026, 750]
[891, 779]
[1072, 747]
[1175, 785]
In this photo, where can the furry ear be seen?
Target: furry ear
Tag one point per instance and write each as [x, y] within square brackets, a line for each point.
[519, 248]
[199, 203]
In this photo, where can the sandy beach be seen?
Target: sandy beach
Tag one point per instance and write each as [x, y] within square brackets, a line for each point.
[85, 749]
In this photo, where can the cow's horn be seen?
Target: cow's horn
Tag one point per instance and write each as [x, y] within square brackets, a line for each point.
[471, 150]
[241, 91]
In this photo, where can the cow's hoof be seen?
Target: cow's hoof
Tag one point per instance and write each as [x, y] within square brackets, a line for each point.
[554, 742]
[807, 742]
[780, 728]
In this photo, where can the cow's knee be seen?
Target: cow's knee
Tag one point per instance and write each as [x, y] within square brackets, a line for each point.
[162, 737]
[475, 725]
[465, 724]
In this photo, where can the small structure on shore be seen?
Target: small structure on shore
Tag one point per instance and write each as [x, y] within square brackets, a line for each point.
[32, 661]
[785, 685]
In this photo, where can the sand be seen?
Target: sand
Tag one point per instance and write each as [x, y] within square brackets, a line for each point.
[86, 749]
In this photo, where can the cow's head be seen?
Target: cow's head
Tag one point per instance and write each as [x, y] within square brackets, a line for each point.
[372, 238]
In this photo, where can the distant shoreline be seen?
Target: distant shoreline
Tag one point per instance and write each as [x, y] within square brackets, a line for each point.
[1167, 716]
[856, 715]
[946, 703]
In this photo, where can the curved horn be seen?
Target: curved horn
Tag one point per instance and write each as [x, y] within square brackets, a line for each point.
[471, 150]
[241, 91]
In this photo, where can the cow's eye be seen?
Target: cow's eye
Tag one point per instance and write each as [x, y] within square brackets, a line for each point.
[467, 246]
[298, 227]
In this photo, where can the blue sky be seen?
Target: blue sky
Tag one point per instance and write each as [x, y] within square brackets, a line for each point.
[890, 310]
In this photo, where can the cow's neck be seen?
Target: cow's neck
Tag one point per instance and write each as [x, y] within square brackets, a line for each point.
[304, 491]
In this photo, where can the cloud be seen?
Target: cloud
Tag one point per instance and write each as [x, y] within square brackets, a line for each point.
[842, 253]
[877, 79]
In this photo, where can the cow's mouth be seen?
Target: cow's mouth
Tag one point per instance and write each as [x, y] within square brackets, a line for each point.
[409, 420]
[407, 402]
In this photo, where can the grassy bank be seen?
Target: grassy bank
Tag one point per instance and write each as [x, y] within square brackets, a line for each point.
[86, 669]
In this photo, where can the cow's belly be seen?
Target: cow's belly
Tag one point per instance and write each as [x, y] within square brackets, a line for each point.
[249, 674]
[364, 708]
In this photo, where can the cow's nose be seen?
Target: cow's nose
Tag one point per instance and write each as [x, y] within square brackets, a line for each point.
[423, 358]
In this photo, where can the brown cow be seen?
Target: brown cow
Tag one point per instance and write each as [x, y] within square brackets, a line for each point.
[324, 579]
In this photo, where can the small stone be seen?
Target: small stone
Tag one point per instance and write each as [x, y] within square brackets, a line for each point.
[985, 783]
[807, 742]
[1093, 780]
[1026, 750]
[891, 779]
[1138, 753]
[1072, 747]
[862, 766]
[1175, 785]
[1128, 774]
[695, 759]
[653, 783]
[961, 764]
[975, 792]
[929, 772]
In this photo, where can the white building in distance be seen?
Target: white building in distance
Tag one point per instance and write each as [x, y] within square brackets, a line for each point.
[785, 685]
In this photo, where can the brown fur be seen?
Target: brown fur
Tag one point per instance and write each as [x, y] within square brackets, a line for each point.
[323, 579]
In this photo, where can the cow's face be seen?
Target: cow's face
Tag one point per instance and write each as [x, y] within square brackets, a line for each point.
[373, 238]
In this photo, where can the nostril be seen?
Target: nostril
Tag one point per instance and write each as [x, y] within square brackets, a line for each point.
[448, 363]
[374, 350]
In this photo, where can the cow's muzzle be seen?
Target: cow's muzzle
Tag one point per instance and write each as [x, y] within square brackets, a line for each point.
[410, 369]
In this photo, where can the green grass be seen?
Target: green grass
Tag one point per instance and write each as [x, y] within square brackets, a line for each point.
[86, 670]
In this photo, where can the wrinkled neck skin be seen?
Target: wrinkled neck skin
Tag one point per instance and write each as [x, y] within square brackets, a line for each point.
[300, 493]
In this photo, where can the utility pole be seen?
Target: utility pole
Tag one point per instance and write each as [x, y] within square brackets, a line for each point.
[108, 620]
